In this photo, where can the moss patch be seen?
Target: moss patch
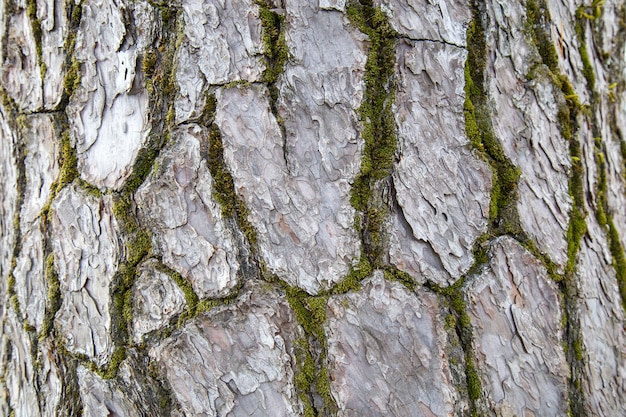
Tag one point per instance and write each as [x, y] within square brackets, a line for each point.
[588, 73]
[460, 320]
[378, 123]
[53, 302]
[503, 215]
[224, 186]
[68, 162]
[352, 281]
[35, 23]
[577, 227]
[275, 45]
[538, 24]
[275, 50]
[311, 373]
[605, 219]
[72, 79]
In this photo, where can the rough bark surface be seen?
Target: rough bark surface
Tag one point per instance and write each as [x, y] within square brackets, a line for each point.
[317, 208]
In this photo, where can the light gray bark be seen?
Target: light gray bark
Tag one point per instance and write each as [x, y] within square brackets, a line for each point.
[294, 207]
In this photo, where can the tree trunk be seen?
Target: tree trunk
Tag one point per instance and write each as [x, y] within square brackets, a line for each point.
[274, 208]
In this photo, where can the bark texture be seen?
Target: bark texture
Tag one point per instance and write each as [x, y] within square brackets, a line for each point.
[317, 208]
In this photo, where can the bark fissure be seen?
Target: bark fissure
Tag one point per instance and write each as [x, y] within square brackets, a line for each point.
[306, 218]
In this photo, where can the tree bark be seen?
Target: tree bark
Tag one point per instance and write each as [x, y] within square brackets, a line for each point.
[351, 208]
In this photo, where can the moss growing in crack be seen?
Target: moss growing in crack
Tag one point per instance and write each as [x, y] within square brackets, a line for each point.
[68, 162]
[148, 63]
[394, 274]
[588, 72]
[603, 214]
[224, 186]
[119, 354]
[502, 212]
[378, 122]
[138, 246]
[619, 260]
[577, 227]
[53, 302]
[7, 101]
[15, 304]
[538, 24]
[191, 298]
[31, 12]
[305, 375]
[352, 281]
[311, 373]
[601, 202]
[539, 18]
[276, 53]
[91, 189]
[454, 300]
[551, 267]
[163, 79]
[122, 212]
[72, 79]
[275, 45]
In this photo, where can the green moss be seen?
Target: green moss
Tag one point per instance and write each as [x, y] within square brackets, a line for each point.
[378, 132]
[119, 354]
[191, 298]
[91, 189]
[123, 214]
[305, 374]
[43, 69]
[148, 63]
[619, 260]
[450, 322]
[53, 303]
[141, 168]
[578, 349]
[7, 101]
[605, 218]
[568, 124]
[238, 83]
[68, 161]
[538, 21]
[474, 386]
[576, 230]
[352, 281]
[577, 225]
[394, 274]
[224, 186]
[11, 283]
[460, 321]
[276, 50]
[15, 304]
[139, 247]
[588, 72]
[551, 267]
[502, 212]
[29, 327]
[72, 79]
[31, 11]
[311, 374]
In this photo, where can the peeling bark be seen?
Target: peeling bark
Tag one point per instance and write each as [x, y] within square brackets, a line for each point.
[328, 208]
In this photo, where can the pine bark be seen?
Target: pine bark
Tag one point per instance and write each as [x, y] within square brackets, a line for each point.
[328, 208]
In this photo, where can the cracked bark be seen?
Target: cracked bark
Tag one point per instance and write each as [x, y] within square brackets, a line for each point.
[332, 208]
